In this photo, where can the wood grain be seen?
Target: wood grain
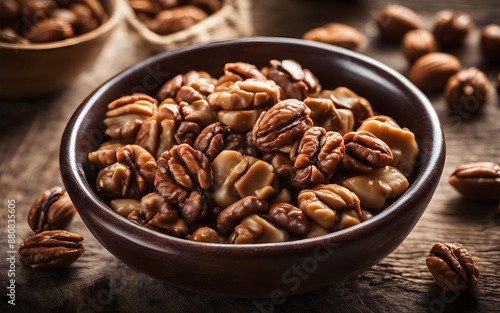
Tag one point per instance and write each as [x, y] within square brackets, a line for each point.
[30, 132]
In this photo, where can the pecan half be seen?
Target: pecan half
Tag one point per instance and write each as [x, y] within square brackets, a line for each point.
[215, 138]
[141, 163]
[325, 203]
[364, 151]
[233, 214]
[52, 210]
[51, 248]
[183, 176]
[156, 212]
[289, 217]
[126, 115]
[279, 127]
[316, 155]
[477, 181]
[452, 267]
[296, 82]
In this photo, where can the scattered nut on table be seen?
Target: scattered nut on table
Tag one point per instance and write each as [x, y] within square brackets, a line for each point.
[431, 71]
[51, 248]
[477, 181]
[394, 21]
[417, 43]
[451, 27]
[452, 267]
[467, 90]
[337, 34]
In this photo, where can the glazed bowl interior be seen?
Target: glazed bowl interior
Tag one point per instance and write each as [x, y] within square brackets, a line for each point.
[38, 69]
[254, 271]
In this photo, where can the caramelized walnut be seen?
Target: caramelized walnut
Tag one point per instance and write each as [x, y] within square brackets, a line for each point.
[344, 98]
[402, 143]
[256, 229]
[315, 156]
[183, 176]
[141, 163]
[123, 206]
[289, 217]
[279, 127]
[198, 111]
[126, 115]
[250, 93]
[115, 181]
[215, 138]
[364, 152]
[156, 212]
[51, 248]
[237, 176]
[105, 154]
[52, 210]
[325, 203]
[452, 267]
[171, 87]
[375, 188]
[324, 114]
[207, 234]
[243, 70]
[477, 181]
[233, 214]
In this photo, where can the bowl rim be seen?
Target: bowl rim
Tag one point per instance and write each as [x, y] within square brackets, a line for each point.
[74, 176]
[117, 8]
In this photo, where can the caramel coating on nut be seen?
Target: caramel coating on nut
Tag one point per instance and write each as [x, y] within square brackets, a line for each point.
[126, 115]
[216, 138]
[256, 229]
[115, 181]
[53, 209]
[344, 98]
[51, 249]
[324, 203]
[233, 214]
[156, 212]
[250, 93]
[452, 267]
[207, 234]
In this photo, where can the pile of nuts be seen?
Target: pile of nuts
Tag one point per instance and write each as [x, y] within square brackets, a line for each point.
[254, 156]
[37, 21]
[465, 91]
[169, 16]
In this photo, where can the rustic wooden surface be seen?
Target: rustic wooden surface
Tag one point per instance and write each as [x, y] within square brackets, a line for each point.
[29, 145]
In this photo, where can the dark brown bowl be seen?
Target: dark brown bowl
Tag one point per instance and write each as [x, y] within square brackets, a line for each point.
[263, 270]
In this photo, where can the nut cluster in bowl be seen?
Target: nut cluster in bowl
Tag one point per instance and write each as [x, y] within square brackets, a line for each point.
[254, 156]
[169, 16]
[37, 21]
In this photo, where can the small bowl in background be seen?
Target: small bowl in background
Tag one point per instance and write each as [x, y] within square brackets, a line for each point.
[257, 270]
[232, 20]
[34, 70]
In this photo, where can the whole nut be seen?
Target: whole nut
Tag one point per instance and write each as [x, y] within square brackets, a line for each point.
[467, 90]
[51, 248]
[52, 210]
[337, 34]
[432, 71]
[478, 181]
[452, 267]
[394, 21]
[52, 29]
[451, 27]
[417, 43]
[490, 42]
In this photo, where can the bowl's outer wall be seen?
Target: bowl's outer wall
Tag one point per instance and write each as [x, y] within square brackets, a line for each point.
[27, 73]
[267, 270]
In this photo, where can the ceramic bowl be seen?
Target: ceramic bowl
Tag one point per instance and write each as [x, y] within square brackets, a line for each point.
[35, 70]
[257, 270]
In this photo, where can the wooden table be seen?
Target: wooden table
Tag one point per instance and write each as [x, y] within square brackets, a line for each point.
[30, 132]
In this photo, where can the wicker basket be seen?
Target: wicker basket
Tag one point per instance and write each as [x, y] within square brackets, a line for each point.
[233, 20]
